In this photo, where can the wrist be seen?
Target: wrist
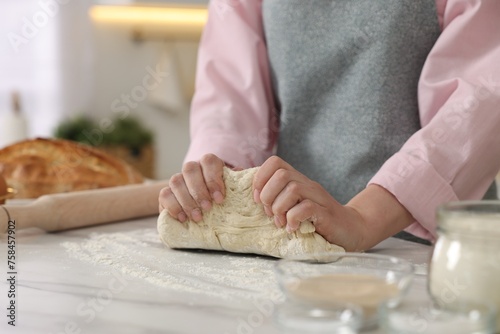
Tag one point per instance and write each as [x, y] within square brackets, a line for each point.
[358, 226]
[381, 215]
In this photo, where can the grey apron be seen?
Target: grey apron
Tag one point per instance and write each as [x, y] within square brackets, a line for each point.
[345, 75]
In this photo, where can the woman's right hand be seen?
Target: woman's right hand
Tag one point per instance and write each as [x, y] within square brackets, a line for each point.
[192, 192]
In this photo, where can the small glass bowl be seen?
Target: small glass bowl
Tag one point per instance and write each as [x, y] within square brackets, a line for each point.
[334, 319]
[365, 280]
[430, 318]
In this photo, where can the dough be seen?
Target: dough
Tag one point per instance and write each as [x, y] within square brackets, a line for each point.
[240, 225]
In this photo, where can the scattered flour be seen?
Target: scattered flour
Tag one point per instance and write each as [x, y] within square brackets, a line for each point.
[140, 254]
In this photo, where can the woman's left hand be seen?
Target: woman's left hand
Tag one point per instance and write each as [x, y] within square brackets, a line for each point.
[290, 197]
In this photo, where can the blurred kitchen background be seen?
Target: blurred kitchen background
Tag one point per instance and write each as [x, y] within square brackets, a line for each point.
[107, 61]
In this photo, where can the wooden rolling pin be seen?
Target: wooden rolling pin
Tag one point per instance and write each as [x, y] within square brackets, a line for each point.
[65, 211]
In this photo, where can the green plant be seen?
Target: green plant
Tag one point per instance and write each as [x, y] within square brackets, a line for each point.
[75, 129]
[128, 132]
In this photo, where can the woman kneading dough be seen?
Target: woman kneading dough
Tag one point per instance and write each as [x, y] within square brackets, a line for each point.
[363, 116]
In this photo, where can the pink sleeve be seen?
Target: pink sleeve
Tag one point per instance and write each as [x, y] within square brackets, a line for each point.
[456, 154]
[232, 109]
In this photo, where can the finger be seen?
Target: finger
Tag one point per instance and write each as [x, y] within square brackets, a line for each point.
[279, 182]
[268, 211]
[178, 186]
[195, 183]
[280, 220]
[212, 169]
[289, 196]
[305, 210]
[265, 172]
[297, 191]
[286, 200]
[167, 201]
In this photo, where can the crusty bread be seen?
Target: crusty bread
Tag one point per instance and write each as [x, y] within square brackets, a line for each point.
[45, 166]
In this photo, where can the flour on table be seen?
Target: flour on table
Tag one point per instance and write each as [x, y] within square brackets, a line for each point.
[140, 254]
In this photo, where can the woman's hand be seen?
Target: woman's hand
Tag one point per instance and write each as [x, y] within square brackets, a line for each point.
[290, 197]
[191, 192]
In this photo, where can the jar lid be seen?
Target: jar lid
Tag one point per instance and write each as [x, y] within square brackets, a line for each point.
[473, 218]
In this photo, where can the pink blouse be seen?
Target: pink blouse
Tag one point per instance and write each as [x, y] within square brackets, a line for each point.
[456, 154]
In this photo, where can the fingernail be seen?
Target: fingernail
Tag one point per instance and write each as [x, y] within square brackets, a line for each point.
[205, 205]
[256, 196]
[182, 217]
[268, 211]
[277, 221]
[218, 198]
[289, 229]
[196, 214]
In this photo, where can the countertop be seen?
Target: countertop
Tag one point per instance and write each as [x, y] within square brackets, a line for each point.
[119, 278]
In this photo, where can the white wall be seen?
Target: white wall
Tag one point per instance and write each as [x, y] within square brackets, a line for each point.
[38, 57]
[120, 67]
[66, 65]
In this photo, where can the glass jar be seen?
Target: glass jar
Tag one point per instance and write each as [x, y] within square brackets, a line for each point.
[465, 263]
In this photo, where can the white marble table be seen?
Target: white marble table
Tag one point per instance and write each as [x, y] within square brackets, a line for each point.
[119, 278]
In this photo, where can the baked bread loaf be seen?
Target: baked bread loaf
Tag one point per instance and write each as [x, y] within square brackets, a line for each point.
[240, 225]
[39, 166]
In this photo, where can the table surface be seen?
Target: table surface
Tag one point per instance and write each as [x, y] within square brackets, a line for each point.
[119, 278]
